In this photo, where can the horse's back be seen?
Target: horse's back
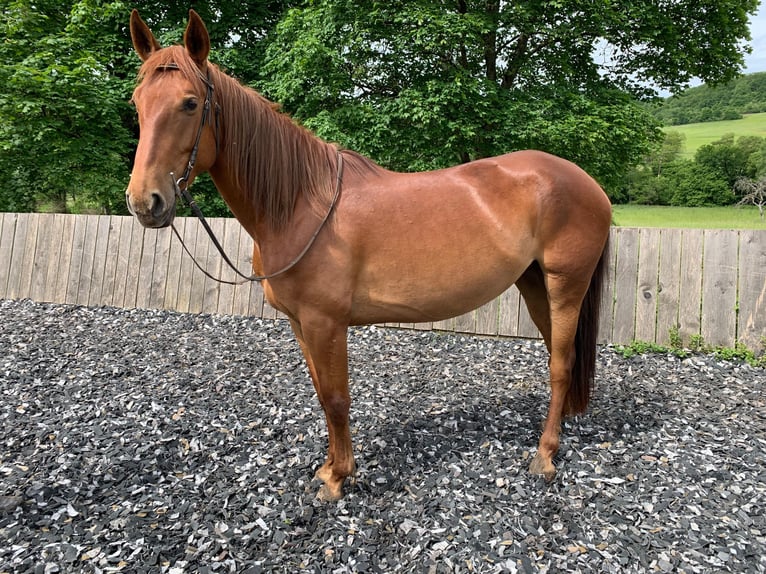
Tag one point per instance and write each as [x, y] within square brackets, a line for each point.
[436, 244]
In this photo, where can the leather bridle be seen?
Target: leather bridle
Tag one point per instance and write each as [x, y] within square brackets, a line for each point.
[181, 188]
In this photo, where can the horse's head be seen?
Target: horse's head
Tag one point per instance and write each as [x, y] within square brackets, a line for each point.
[170, 100]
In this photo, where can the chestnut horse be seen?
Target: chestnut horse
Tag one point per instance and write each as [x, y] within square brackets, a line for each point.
[343, 241]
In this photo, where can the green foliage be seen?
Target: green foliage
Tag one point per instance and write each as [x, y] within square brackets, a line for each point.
[692, 184]
[744, 95]
[730, 157]
[420, 85]
[62, 108]
[739, 353]
[415, 85]
[67, 131]
[664, 178]
[637, 348]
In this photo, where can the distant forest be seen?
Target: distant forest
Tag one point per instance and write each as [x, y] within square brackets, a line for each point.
[745, 95]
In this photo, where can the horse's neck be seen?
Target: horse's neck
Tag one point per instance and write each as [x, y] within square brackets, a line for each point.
[237, 200]
[273, 247]
[291, 164]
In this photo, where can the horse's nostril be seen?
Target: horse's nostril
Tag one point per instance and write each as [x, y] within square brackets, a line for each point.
[158, 204]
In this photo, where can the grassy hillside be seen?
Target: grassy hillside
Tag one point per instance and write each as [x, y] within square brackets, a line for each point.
[745, 95]
[694, 217]
[704, 133]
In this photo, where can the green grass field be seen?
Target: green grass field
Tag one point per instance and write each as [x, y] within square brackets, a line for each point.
[700, 134]
[689, 217]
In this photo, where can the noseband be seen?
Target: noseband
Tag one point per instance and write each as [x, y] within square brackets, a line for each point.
[181, 188]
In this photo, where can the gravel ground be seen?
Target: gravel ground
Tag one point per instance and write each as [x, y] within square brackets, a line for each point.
[149, 441]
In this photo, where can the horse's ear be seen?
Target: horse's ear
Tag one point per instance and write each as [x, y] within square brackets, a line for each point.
[143, 40]
[196, 39]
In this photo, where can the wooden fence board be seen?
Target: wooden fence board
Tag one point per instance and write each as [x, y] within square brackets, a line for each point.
[7, 229]
[445, 325]
[606, 312]
[197, 293]
[20, 236]
[85, 283]
[211, 288]
[719, 287]
[466, 323]
[56, 226]
[100, 255]
[689, 307]
[256, 303]
[160, 268]
[242, 293]
[189, 234]
[45, 243]
[75, 259]
[111, 259]
[751, 328]
[173, 274]
[9, 283]
[626, 280]
[646, 295]
[135, 256]
[487, 317]
[230, 242]
[508, 323]
[146, 268]
[669, 284]
[123, 260]
[28, 261]
[65, 258]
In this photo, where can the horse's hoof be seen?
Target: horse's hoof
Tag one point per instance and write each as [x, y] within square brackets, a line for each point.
[542, 467]
[327, 494]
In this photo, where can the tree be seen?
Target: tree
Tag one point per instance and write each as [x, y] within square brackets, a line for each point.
[753, 192]
[433, 82]
[67, 131]
[414, 84]
[668, 152]
[688, 183]
[62, 135]
[730, 156]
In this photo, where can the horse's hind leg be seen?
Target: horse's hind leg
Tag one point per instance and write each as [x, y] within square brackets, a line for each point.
[531, 285]
[565, 298]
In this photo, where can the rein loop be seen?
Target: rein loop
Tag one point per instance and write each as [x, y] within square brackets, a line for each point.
[181, 188]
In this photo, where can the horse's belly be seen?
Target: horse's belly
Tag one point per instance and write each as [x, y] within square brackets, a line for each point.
[437, 291]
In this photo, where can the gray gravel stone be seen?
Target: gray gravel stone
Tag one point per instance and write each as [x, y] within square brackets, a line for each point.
[150, 441]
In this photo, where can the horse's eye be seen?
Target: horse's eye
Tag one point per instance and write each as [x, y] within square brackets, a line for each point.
[190, 104]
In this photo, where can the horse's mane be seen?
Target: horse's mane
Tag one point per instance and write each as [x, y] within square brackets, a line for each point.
[274, 160]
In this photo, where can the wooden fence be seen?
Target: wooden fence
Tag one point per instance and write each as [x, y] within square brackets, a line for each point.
[702, 283]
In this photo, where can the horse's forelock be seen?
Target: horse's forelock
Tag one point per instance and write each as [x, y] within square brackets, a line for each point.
[171, 59]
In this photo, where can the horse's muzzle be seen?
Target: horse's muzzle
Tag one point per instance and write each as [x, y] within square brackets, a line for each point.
[154, 213]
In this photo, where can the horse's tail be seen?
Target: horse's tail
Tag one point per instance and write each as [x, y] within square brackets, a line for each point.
[586, 338]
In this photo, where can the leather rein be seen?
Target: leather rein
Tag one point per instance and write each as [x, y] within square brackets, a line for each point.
[181, 188]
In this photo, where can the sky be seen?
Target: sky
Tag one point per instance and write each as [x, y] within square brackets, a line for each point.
[756, 62]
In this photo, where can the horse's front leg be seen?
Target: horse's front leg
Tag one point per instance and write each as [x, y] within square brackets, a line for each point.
[324, 345]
